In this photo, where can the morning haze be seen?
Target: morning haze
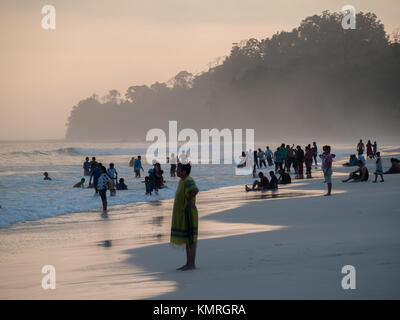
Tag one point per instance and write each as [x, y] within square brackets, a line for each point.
[99, 46]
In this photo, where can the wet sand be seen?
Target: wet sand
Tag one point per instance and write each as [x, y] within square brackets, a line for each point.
[256, 245]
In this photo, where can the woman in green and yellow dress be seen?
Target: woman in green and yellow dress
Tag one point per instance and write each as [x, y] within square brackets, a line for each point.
[184, 216]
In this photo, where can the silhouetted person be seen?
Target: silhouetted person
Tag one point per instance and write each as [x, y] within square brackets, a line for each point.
[80, 184]
[360, 147]
[379, 168]
[46, 176]
[395, 168]
[86, 167]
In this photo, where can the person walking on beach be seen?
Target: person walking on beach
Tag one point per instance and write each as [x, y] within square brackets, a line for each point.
[360, 147]
[379, 169]
[138, 166]
[102, 185]
[184, 227]
[315, 150]
[86, 167]
[327, 168]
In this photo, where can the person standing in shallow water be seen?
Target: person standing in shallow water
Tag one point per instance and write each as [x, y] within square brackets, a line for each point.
[184, 225]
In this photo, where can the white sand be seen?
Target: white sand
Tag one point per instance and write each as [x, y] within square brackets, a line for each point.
[249, 248]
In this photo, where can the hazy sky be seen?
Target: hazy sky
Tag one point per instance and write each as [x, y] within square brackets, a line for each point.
[100, 45]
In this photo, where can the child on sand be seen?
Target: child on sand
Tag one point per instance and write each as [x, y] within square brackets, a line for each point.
[379, 169]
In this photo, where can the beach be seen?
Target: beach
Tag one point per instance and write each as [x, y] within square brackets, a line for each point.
[291, 244]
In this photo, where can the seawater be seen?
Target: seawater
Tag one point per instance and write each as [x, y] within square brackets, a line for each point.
[25, 196]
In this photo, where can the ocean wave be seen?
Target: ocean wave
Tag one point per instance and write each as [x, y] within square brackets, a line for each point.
[82, 152]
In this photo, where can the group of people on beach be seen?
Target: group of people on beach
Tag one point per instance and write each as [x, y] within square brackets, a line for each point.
[184, 228]
[284, 158]
[361, 174]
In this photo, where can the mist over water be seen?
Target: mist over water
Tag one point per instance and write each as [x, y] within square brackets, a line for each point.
[317, 80]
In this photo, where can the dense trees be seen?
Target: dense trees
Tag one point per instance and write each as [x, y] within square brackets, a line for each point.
[316, 80]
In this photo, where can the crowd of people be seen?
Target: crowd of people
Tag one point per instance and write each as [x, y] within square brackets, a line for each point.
[284, 159]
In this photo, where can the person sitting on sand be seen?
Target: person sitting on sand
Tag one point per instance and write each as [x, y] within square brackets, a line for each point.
[46, 176]
[80, 184]
[263, 184]
[121, 185]
[360, 175]
[370, 153]
[379, 169]
[352, 161]
[284, 177]
[273, 183]
[395, 168]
